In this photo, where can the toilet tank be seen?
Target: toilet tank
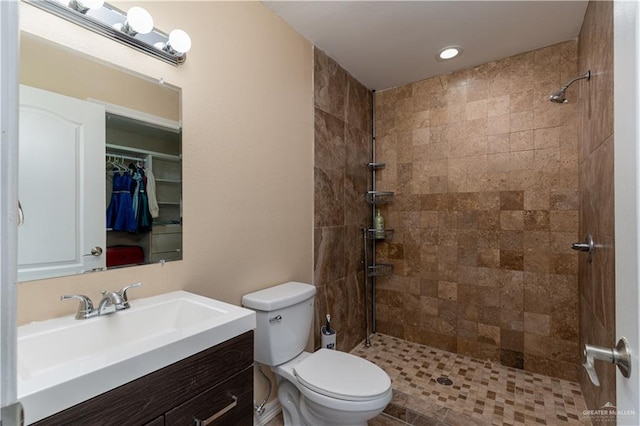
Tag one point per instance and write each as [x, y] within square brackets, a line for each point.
[283, 315]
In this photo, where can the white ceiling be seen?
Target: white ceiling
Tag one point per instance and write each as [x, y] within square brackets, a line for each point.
[391, 43]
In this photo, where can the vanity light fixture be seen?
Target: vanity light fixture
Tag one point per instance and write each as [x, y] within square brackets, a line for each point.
[133, 28]
[448, 52]
[83, 6]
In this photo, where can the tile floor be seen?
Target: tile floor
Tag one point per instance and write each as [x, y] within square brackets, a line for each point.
[482, 393]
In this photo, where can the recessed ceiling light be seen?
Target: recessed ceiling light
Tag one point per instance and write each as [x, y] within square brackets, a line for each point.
[449, 52]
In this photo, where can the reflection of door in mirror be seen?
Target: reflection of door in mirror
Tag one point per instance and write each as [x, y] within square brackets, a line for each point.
[61, 145]
[145, 151]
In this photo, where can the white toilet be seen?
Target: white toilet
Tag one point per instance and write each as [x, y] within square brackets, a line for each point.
[323, 388]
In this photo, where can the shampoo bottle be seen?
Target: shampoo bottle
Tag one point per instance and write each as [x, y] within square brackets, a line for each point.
[378, 224]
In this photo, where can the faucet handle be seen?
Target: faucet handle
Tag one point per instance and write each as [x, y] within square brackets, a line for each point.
[85, 308]
[619, 356]
[591, 371]
[123, 293]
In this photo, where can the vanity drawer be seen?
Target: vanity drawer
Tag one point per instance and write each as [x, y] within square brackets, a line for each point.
[166, 256]
[167, 229]
[165, 242]
[145, 399]
[229, 403]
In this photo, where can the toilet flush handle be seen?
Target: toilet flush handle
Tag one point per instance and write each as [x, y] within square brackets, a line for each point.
[277, 318]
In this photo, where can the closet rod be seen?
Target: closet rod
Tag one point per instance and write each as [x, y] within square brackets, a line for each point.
[155, 154]
[124, 157]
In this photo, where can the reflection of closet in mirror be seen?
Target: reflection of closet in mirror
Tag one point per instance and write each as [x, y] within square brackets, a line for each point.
[149, 152]
[67, 248]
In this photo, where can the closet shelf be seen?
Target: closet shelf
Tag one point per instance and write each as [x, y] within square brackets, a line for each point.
[379, 234]
[125, 232]
[173, 181]
[380, 270]
[379, 197]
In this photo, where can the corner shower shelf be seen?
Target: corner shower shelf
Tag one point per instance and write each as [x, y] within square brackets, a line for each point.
[380, 270]
[379, 197]
[371, 236]
[377, 234]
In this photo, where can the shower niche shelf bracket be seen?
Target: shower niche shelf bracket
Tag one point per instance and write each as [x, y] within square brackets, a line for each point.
[376, 166]
[379, 234]
[380, 270]
[379, 197]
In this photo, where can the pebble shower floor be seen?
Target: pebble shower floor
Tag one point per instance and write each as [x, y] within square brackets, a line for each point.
[482, 393]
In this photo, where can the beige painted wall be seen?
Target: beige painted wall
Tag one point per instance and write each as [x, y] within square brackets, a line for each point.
[247, 112]
[248, 153]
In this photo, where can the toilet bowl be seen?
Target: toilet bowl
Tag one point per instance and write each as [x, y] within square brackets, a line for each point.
[335, 388]
[326, 387]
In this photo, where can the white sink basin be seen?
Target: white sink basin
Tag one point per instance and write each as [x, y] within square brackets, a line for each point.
[64, 361]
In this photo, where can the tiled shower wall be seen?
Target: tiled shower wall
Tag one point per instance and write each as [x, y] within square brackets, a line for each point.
[342, 150]
[485, 172]
[597, 278]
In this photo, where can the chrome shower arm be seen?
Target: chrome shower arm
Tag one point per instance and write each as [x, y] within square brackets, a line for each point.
[587, 75]
[559, 96]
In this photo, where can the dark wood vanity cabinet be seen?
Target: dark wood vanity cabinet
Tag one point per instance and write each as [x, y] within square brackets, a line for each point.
[159, 421]
[213, 387]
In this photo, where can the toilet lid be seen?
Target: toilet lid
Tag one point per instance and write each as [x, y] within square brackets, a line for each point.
[343, 376]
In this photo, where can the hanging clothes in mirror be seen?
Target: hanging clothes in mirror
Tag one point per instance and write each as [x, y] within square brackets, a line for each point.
[140, 200]
[128, 209]
[154, 209]
[120, 214]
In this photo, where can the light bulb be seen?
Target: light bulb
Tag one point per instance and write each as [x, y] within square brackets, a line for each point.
[139, 20]
[449, 52]
[179, 41]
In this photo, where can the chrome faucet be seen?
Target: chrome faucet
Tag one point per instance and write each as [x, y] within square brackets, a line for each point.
[112, 301]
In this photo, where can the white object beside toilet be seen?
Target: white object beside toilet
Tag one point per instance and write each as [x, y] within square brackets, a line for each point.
[322, 388]
[328, 335]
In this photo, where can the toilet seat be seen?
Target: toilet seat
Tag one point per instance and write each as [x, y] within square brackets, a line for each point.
[342, 376]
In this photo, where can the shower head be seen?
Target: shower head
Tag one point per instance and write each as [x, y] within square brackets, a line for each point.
[559, 95]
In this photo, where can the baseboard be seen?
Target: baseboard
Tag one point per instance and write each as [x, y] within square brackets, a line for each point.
[271, 410]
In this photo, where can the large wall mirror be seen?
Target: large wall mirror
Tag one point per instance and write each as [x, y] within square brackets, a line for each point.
[100, 169]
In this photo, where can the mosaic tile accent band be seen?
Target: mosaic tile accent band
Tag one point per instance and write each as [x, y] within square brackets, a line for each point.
[482, 392]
